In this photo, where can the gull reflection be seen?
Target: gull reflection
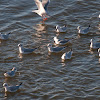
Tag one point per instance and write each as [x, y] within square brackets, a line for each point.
[41, 28]
[91, 51]
[20, 56]
[99, 27]
[99, 60]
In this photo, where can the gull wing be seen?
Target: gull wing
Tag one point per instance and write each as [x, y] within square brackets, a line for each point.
[13, 88]
[28, 50]
[64, 41]
[11, 73]
[39, 5]
[58, 49]
[45, 4]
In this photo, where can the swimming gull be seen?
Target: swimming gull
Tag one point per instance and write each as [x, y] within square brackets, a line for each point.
[11, 88]
[11, 73]
[83, 31]
[23, 50]
[54, 49]
[99, 52]
[61, 29]
[94, 45]
[4, 36]
[67, 55]
[42, 8]
[61, 42]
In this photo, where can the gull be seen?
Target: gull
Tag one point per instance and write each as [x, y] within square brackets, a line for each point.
[4, 36]
[23, 50]
[94, 45]
[61, 29]
[83, 31]
[99, 52]
[11, 88]
[99, 17]
[67, 55]
[54, 49]
[11, 73]
[60, 42]
[42, 8]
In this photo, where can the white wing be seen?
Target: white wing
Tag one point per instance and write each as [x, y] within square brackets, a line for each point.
[40, 6]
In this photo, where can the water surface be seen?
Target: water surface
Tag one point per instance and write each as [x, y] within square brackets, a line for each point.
[44, 75]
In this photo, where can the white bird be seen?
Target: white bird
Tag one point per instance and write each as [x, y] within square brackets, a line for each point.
[99, 16]
[67, 55]
[11, 88]
[42, 8]
[11, 73]
[94, 45]
[54, 49]
[99, 52]
[61, 42]
[4, 36]
[23, 50]
[83, 31]
[61, 29]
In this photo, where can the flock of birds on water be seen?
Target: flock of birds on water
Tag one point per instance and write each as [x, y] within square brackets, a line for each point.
[43, 12]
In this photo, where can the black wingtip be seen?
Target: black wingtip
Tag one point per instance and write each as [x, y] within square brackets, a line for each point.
[89, 25]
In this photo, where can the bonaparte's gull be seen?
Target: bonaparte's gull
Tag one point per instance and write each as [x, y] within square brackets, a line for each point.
[61, 29]
[4, 36]
[42, 8]
[94, 45]
[61, 42]
[11, 88]
[23, 50]
[54, 49]
[11, 73]
[67, 55]
[83, 31]
[99, 52]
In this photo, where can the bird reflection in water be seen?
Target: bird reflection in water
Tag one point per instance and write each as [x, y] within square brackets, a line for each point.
[99, 59]
[20, 56]
[99, 27]
[41, 28]
[91, 51]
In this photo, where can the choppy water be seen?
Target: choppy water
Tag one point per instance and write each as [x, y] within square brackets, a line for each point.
[44, 76]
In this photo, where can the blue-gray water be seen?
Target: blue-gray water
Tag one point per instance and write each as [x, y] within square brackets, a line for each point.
[45, 76]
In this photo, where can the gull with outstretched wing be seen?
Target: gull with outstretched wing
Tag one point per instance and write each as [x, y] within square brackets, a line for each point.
[42, 8]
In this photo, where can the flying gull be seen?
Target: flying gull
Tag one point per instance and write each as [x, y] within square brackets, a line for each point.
[42, 8]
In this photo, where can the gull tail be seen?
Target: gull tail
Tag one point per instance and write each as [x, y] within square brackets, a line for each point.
[20, 84]
[9, 33]
[89, 25]
[35, 48]
[65, 47]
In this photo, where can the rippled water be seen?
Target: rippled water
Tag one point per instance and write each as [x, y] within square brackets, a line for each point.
[44, 75]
